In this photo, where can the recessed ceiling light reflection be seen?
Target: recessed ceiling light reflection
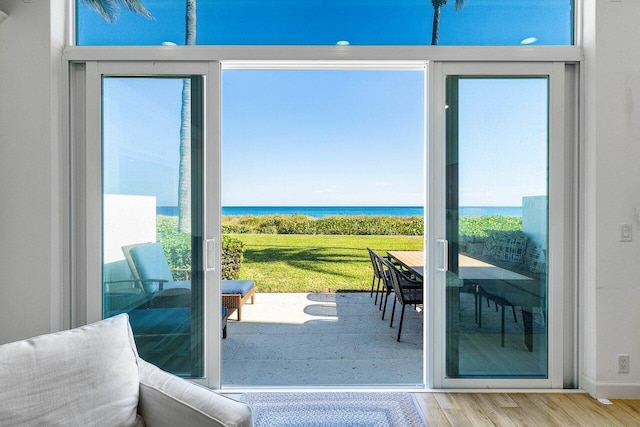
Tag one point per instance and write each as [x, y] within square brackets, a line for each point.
[529, 40]
[343, 43]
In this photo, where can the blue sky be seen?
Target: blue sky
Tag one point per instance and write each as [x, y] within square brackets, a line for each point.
[502, 140]
[323, 137]
[330, 138]
[288, 137]
[321, 22]
[141, 134]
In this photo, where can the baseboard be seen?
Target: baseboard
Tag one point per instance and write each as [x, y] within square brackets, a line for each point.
[610, 389]
[588, 384]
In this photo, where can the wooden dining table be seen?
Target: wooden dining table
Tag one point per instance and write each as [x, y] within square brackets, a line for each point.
[518, 289]
[411, 260]
[468, 268]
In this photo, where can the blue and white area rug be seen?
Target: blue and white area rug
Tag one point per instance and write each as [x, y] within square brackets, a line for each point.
[342, 409]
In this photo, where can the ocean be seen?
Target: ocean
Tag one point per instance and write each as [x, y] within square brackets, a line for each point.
[322, 211]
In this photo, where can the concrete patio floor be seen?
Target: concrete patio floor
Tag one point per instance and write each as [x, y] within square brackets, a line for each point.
[315, 339]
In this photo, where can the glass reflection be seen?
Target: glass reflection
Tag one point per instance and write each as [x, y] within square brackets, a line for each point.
[497, 227]
[321, 22]
[150, 264]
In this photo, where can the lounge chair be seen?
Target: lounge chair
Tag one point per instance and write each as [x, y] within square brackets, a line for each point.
[148, 263]
[236, 292]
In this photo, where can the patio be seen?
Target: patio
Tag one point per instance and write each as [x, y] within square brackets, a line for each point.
[312, 339]
[339, 339]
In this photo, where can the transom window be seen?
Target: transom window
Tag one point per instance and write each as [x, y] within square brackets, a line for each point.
[330, 22]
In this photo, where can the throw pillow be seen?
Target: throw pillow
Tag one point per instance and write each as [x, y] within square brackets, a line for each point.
[507, 246]
[86, 376]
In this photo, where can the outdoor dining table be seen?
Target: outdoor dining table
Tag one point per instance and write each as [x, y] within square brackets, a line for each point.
[519, 290]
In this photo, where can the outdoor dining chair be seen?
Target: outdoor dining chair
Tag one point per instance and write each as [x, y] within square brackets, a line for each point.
[378, 272]
[406, 291]
[387, 287]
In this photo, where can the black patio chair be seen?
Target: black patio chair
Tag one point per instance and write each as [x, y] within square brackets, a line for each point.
[377, 261]
[377, 273]
[387, 287]
[406, 290]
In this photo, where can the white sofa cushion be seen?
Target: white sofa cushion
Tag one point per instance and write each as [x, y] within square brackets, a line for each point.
[169, 401]
[84, 376]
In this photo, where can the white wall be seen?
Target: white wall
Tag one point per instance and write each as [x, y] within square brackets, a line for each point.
[127, 220]
[31, 272]
[611, 282]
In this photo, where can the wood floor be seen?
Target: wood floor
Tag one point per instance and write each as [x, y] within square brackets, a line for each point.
[525, 409]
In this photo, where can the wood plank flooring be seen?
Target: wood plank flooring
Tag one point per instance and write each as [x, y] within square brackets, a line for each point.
[525, 409]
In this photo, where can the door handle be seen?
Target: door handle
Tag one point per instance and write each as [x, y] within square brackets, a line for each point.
[442, 263]
[210, 249]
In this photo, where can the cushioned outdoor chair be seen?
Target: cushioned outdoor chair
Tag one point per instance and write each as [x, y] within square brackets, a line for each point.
[236, 292]
[93, 376]
[121, 291]
[148, 262]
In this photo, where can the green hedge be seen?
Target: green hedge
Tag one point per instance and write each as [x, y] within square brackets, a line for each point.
[331, 225]
[479, 227]
[177, 248]
[471, 228]
[473, 232]
[232, 256]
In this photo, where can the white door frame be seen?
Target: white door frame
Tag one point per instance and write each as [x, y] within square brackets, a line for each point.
[87, 190]
[86, 201]
[560, 274]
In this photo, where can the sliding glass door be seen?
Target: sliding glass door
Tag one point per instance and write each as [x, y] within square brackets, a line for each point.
[152, 217]
[496, 160]
[146, 238]
[499, 232]
[500, 300]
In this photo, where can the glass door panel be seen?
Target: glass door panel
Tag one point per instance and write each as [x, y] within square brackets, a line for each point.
[152, 221]
[497, 133]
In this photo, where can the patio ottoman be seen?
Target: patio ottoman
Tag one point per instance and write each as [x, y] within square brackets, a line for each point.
[236, 292]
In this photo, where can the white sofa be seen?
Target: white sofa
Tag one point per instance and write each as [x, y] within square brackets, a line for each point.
[93, 376]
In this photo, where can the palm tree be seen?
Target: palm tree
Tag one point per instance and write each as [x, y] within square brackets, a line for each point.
[184, 174]
[109, 9]
[437, 5]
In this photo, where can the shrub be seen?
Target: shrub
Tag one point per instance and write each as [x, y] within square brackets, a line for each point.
[478, 227]
[177, 248]
[232, 256]
[332, 225]
[474, 231]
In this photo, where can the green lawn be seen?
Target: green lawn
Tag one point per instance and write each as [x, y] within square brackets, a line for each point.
[315, 263]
